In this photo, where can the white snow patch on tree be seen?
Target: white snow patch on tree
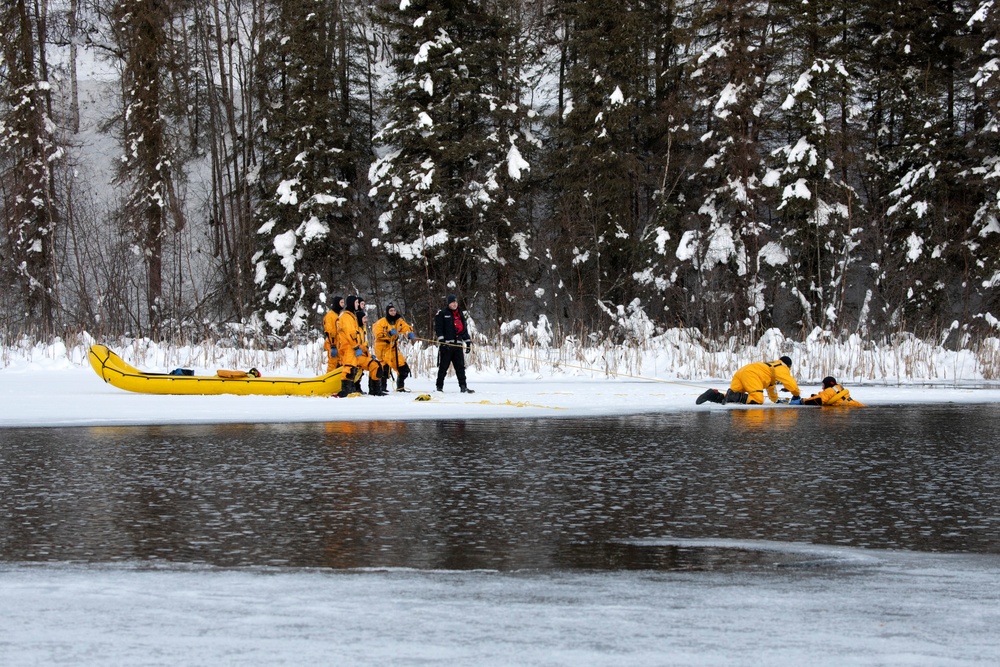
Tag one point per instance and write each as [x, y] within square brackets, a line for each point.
[631, 319]
[687, 248]
[313, 229]
[647, 277]
[721, 247]
[286, 192]
[284, 244]
[803, 84]
[324, 200]
[277, 293]
[515, 163]
[521, 240]
[803, 151]
[991, 227]
[799, 190]
[981, 14]
[662, 236]
[275, 319]
[729, 96]
[771, 178]
[915, 246]
[284, 247]
[772, 253]
[718, 50]
[415, 249]
[617, 97]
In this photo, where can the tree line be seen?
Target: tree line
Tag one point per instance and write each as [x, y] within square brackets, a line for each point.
[723, 165]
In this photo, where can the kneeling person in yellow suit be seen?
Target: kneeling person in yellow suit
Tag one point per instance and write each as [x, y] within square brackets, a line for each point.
[750, 382]
[832, 395]
[352, 349]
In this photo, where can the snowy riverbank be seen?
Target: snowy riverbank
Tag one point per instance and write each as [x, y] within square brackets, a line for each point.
[53, 386]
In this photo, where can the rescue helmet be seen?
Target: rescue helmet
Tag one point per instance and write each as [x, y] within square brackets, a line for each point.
[786, 360]
[829, 381]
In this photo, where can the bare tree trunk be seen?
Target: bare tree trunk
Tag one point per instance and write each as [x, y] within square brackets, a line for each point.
[73, 83]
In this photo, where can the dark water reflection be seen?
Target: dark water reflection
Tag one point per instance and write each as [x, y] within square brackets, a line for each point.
[502, 494]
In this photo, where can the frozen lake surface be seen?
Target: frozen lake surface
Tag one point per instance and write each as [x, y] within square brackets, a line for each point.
[779, 537]
[875, 608]
[659, 533]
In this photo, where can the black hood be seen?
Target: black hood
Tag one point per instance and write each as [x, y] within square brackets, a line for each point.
[337, 308]
[351, 304]
[391, 319]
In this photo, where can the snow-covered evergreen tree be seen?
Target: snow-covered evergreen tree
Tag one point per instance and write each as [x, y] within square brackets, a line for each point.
[150, 165]
[731, 77]
[29, 153]
[983, 238]
[310, 166]
[455, 149]
[817, 209]
[915, 139]
[610, 147]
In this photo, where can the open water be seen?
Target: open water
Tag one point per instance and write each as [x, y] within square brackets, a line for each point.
[553, 494]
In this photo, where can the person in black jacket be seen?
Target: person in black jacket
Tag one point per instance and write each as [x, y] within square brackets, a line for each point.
[453, 340]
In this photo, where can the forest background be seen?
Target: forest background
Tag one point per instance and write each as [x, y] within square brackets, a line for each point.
[566, 166]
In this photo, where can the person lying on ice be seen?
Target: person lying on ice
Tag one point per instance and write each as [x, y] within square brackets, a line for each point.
[750, 382]
[832, 394]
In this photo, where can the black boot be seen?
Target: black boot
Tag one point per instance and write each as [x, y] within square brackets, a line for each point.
[355, 378]
[346, 388]
[711, 395]
[735, 397]
[375, 387]
[403, 373]
[466, 390]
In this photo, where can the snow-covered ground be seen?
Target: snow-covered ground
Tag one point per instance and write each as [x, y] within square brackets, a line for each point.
[857, 608]
[55, 386]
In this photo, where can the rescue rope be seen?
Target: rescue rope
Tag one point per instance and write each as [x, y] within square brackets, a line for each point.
[574, 366]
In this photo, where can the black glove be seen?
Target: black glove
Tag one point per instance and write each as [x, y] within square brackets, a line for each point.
[468, 346]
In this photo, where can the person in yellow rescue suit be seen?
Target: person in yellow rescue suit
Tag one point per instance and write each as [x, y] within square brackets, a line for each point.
[352, 348]
[750, 382]
[330, 333]
[832, 395]
[387, 332]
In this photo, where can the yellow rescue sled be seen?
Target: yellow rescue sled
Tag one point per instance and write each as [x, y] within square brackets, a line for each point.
[115, 371]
